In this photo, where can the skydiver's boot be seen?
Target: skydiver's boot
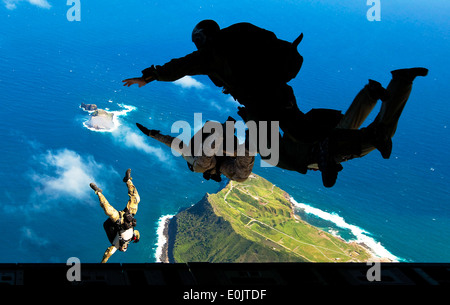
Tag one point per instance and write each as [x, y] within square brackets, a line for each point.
[127, 175]
[379, 133]
[409, 74]
[95, 188]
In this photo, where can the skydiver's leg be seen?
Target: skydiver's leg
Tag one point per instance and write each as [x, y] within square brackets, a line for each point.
[110, 251]
[346, 140]
[399, 90]
[362, 105]
[107, 208]
[134, 200]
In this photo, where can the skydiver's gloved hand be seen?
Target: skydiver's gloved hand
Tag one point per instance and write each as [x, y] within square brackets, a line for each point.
[213, 176]
[146, 131]
[136, 80]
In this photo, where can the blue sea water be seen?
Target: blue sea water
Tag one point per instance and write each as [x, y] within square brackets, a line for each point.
[49, 66]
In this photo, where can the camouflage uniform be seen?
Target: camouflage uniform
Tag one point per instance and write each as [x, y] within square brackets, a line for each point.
[118, 217]
[231, 165]
[132, 204]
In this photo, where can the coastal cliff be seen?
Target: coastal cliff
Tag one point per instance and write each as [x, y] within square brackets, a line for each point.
[253, 221]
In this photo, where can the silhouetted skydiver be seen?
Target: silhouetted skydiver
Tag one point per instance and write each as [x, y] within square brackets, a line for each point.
[119, 227]
[250, 63]
[344, 141]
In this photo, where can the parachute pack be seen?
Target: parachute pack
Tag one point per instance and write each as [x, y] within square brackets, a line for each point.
[262, 52]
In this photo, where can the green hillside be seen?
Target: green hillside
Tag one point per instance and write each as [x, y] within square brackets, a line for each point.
[253, 221]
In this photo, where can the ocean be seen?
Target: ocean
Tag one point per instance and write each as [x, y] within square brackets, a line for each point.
[50, 65]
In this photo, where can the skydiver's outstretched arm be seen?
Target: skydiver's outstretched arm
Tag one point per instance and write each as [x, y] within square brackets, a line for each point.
[195, 63]
[136, 80]
[155, 134]
[165, 139]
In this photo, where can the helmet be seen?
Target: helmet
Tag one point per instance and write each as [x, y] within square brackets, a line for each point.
[203, 32]
[128, 221]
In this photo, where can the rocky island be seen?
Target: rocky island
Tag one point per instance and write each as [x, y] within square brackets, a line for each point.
[253, 221]
[89, 107]
[99, 119]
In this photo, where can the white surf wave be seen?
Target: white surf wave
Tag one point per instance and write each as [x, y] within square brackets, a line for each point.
[162, 239]
[362, 236]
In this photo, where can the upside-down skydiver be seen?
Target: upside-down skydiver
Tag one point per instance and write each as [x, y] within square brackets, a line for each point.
[120, 225]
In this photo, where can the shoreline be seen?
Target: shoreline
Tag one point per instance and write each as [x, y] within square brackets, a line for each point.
[374, 247]
[162, 249]
[378, 253]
